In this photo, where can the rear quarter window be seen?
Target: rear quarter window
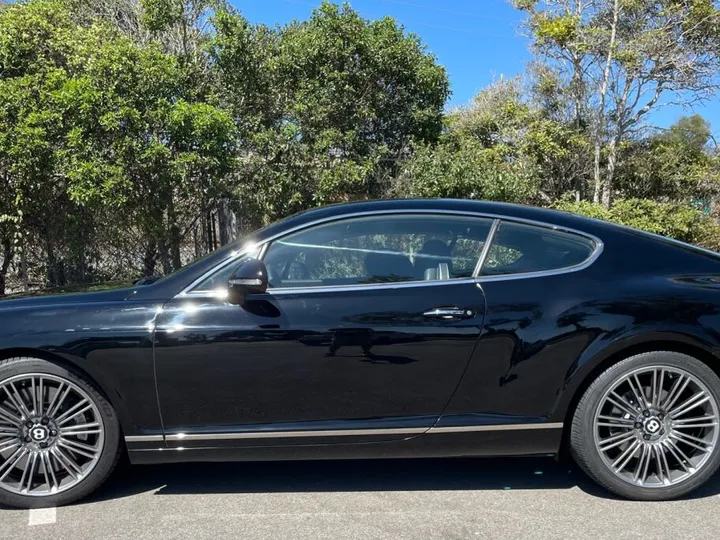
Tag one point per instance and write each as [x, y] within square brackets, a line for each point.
[519, 248]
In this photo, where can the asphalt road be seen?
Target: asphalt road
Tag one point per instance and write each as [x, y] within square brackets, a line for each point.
[404, 499]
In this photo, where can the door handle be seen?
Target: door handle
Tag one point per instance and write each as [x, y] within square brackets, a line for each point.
[449, 313]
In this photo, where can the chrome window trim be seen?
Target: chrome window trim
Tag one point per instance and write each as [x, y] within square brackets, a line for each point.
[373, 286]
[486, 247]
[229, 436]
[599, 246]
[187, 292]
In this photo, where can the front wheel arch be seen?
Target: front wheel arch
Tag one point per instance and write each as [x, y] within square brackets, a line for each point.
[64, 362]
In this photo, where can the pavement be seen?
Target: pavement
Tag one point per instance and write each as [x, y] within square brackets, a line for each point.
[401, 499]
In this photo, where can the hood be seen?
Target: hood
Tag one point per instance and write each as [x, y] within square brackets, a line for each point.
[69, 295]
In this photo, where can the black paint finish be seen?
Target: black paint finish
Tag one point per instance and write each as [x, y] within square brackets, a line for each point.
[313, 357]
[105, 335]
[366, 358]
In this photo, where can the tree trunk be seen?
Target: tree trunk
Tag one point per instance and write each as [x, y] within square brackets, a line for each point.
[53, 274]
[227, 222]
[150, 259]
[175, 242]
[7, 255]
[175, 239]
[24, 267]
[597, 179]
[610, 174]
[210, 222]
[164, 256]
[601, 123]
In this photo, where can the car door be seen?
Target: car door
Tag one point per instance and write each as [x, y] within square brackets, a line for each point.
[363, 335]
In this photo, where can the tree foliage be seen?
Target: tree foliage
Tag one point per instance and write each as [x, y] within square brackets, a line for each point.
[620, 58]
[328, 106]
[136, 135]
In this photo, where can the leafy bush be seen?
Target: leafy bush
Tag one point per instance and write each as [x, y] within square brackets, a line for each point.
[675, 220]
[467, 171]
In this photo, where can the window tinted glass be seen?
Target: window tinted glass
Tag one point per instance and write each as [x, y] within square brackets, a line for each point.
[378, 250]
[519, 248]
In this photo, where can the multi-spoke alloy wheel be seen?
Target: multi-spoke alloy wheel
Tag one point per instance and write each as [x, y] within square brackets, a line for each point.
[648, 427]
[58, 436]
[51, 434]
[656, 426]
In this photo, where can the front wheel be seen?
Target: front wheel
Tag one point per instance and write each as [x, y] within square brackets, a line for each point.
[59, 437]
[647, 428]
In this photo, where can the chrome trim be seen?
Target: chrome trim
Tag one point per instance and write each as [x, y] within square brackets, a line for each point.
[340, 432]
[263, 246]
[366, 287]
[292, 434]
[449, 313]
[250, 282]
[498, 427]
[243, 250]
[558, 271]
[144, 438]
[486, 247]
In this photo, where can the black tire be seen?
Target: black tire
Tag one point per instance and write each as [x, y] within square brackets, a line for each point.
[111, 448]
[582, 437]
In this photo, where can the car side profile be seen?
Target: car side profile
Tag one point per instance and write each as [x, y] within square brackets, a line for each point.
[403, 328]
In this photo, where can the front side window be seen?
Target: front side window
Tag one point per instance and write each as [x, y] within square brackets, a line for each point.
[378, 249]
[519, 248]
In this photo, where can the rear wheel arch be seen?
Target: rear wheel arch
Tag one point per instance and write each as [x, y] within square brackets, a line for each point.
[601, 362]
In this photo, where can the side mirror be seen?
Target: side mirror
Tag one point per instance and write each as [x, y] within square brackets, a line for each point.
[250, 278]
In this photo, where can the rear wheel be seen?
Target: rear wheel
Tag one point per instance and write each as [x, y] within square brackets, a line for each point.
[59, 437]
[647, 428]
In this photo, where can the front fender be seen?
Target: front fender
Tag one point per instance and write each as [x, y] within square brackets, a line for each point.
[109, 342]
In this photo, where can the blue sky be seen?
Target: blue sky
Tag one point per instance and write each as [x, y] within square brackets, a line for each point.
[476, 40]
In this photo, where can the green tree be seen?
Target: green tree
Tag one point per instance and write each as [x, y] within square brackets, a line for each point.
[33, 38]
[624, 56]
[141, 143]
[676, 164]
[675, 220]
[509, 144]
[99, 133]
[327, 108]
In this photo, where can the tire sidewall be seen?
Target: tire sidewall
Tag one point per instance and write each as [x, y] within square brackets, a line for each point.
[111, 444]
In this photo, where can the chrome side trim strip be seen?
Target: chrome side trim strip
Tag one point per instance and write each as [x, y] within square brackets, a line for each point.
[187, 291]
[486, 247]
[499, 427]
[144, 438]
[339, 432]
[291, 434]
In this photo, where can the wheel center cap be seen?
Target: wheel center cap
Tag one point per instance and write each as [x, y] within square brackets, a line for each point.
[652, 425]
[39, 433]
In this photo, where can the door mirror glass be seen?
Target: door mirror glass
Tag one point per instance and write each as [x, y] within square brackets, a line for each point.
[249, 278]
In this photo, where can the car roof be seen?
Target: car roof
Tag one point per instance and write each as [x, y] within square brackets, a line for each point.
[519, 211]
[602, 229]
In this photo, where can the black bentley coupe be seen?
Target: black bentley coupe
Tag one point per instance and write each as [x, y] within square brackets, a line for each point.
[404, 328]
